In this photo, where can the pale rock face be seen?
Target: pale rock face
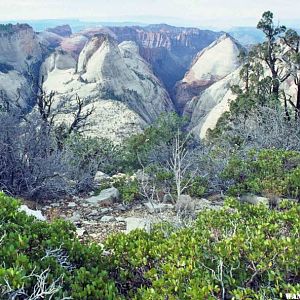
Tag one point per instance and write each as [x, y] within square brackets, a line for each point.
[211, 65]
[20, 46]
[76, 42]
[211, 104]
[12, 83]
[63, 30]
[110, 119]
[50, 39]
[170, 50]
[215, 62]
[113, 79]
[59, 60]
[20, 51]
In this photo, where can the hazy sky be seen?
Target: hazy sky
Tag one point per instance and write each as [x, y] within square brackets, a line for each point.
[187, 12]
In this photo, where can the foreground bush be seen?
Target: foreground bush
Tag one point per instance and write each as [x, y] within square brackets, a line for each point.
[239, 252]
[47, 261]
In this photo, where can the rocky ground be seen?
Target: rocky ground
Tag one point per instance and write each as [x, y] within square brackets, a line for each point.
[97, 217]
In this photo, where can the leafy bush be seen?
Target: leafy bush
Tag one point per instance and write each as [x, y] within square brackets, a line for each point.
[239, 252]
[269, 171]
[86, 155]
[163, 180]
[152, 144]
[32, 250]
[196, 187]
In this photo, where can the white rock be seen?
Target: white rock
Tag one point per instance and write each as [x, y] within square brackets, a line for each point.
[92, 223]
[211, 104]
[35, 213]
[46, 207]
[107, 219]
[137, 223]
[100, 176]
[94, 212]
[158, 207]
[108, 195]
[253, 199]
[80, 232]
[72, 204]
[75, 217]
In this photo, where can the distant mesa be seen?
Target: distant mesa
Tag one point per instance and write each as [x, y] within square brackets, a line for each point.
[63, 30]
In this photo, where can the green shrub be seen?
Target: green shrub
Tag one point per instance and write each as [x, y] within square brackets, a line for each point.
[269, 171]
[164, 181]
[128, 188]
[137, 148]
[24, 244]
[240, 252]
[197, 186]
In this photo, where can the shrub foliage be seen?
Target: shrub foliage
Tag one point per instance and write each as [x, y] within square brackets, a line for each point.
[239, 252]
[269, 171]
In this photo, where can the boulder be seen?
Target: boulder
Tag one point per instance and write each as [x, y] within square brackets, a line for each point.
[72, 204]
[106, 197]
[100, 177]
[137, 223]
[104, 210]
[254, 199]
[81, 232]
[35, 213]
[93, 213]
[157, 207]
[75, 218]
[207, 204]
[107, 219]
[186, 198]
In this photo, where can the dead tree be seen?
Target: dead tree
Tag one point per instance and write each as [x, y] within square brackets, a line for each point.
[33, 158]
[180, 164]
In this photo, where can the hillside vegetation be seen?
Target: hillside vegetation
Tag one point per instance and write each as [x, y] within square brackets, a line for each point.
[240, 252]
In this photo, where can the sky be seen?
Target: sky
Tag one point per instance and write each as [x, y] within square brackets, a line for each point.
[200, 13]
